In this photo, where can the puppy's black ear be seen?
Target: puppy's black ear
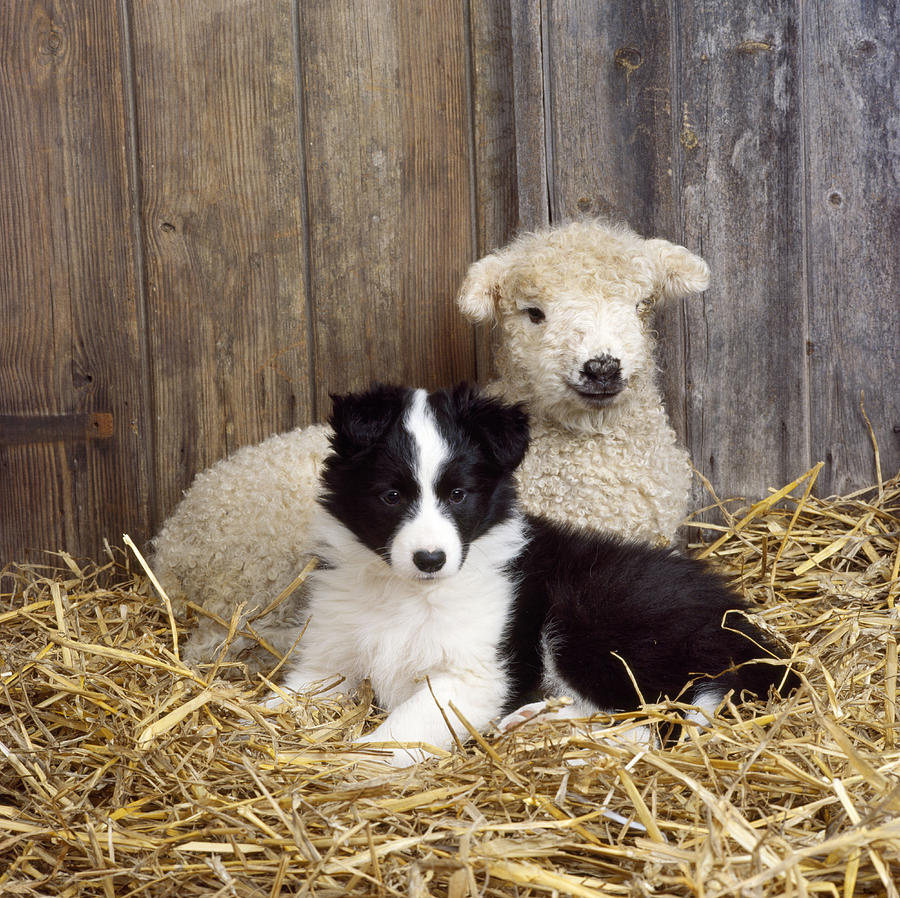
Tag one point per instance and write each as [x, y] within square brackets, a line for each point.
[498, 427]
[359, 420]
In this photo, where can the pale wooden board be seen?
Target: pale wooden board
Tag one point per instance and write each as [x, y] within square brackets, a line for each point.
[852, 162]
[746, 409]
[224, 244]
[70, 343]
[610, 122]
[386, 113]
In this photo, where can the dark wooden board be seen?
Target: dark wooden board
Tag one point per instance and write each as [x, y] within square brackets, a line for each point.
[529, 100]
[739, 137]
[70, 344]
[386, 121]
[852, 82]
[224, 242]
[495, 190]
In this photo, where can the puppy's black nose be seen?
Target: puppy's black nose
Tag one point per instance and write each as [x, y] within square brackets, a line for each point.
[601, 369]
[428, 561]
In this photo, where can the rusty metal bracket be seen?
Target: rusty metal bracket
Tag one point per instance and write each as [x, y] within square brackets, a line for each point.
[20, 429]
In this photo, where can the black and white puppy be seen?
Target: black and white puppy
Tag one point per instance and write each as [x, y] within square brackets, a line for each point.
[436, 587]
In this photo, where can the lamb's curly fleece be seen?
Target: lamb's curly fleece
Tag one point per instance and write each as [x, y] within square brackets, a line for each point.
[241, 534]
[242, 531]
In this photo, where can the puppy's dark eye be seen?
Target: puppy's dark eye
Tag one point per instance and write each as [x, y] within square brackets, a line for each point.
[391, 497]
[535, 314]
[457, 496]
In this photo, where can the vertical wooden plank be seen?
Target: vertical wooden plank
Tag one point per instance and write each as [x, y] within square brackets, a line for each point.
[528, 64]
[738, 126]
[852, 161]
[610, 119]
[494, 125]
[70, 344]
[386, 136]
[436, 212]
[222, 184]
[495, 193]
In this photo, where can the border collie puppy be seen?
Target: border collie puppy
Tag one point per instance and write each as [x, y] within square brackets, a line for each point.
[435, 586]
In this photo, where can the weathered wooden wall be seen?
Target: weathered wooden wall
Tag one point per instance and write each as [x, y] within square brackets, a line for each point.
[214, 214]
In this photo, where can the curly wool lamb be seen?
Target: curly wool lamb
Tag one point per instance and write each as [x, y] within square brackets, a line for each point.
[572, 305]
[240, 535]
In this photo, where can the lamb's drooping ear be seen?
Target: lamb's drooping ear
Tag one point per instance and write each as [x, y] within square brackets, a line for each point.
[477, 298]
[359, 420]
[678, 271]
[500, 428]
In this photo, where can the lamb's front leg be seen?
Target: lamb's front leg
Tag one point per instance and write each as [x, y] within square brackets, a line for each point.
[420, 718]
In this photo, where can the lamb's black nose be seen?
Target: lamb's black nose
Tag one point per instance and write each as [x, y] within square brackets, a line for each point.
[601, 368]
[428, 561]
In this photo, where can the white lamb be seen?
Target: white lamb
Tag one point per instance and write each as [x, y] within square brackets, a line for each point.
[572, 306]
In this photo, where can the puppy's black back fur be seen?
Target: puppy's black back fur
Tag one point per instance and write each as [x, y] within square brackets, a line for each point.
[587, 598]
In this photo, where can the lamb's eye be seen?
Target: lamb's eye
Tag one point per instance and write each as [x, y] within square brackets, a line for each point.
[535, 314]
[457, 496]
[391, 497]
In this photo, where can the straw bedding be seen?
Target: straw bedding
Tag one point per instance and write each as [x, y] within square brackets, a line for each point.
[124, 773]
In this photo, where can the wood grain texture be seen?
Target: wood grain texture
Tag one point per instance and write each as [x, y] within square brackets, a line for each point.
[529, 97]
[852, 162]
[70, 344]
[386, 135]
[494, 124]
[222, 187]
[610, 120]
[738, 102]
[495, 190]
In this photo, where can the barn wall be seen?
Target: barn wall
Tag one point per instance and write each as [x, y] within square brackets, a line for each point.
[214, 214]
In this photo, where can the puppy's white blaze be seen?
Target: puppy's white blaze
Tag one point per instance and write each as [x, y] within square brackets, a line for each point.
[430, 529]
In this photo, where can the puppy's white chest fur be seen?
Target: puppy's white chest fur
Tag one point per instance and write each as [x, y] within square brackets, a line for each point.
[366, 621]
[403, 632]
